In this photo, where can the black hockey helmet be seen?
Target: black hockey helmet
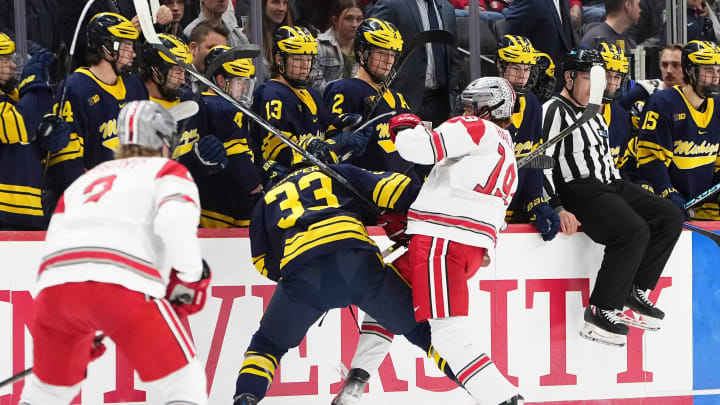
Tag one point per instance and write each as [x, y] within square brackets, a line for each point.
[375, 33]
[155, 65]
[294, 40]
[581, 60]
[696, 54]
[108, 30]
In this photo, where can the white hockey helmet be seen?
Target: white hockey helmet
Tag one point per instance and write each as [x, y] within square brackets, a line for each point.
[493, 96]
[146, 123]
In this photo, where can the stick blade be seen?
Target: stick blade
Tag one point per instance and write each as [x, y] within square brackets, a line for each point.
[433, 36]
[183, 110]
[597, 84]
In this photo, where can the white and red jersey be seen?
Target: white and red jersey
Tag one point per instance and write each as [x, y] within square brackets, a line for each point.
[467, 192]
[125, 222]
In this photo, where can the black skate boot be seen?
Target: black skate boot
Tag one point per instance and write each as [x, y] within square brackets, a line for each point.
[644, 310]
[352, 388]
[516, 400]
[246, 399]
[605, 326]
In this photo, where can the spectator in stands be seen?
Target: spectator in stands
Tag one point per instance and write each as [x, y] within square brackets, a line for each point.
[547, 24]
[204, 37]
[42, 29]
[335, 46]
[587, 11]
[216, 11]
[275, 14]
[699, 26]
[490, 10]
[670, 65]
[650, 29]
[177, 7]
[436, 65]
[621, 14]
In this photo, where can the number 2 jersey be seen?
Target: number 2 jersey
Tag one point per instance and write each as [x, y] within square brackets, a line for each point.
[468, 190]
[308, 214]
[125, 222]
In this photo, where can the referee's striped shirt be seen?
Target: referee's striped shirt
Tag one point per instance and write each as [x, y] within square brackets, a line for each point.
[585, 153]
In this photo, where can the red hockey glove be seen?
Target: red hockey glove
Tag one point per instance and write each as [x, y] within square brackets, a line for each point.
[98, 348]
[402, 121]
[395, 225]
[188, 297]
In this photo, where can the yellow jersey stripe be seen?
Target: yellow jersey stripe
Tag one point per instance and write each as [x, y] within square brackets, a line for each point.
[398, 192]
[266, 355]
[211, 219]
[20, 189]
[236, 147]
[38, 212]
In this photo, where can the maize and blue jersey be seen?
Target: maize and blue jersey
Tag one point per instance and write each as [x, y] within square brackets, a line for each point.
[618, 123]
[225, 196]
[526, 132]
[91, 108]
[308, 214]
[352, 96]
[294, 112]
[20, 158]
[677, 147]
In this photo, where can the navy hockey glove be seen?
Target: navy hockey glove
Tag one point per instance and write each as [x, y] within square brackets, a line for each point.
[544, 218]
[274, 171]
[211, 152]
[35, 74]
[356, 143]
[679, 202]
[342, 123]
[54, 133]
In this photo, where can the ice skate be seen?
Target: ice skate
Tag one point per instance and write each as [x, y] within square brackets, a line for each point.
[246, 399]
[648, 315]
[352, 388]
[604, 326]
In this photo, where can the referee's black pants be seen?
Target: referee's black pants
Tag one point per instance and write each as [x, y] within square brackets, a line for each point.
[638, 229]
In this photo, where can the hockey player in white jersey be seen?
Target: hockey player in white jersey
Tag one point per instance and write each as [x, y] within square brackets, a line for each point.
[454, 222]
[121, 258]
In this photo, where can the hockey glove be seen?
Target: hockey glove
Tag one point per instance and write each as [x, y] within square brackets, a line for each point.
[355, 142]
[679, 202]
[35, 74]
[54, 133]
[395, 225]
[342, 123]
[98, 348]
[544, 218]
[188, 297]
[211, 152]
[402, 121]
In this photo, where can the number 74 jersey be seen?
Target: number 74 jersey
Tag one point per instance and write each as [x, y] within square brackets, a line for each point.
[473, 181]
[126, 222]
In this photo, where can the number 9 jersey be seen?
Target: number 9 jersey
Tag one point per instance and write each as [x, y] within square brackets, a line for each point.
[308, 214]
[126, 222]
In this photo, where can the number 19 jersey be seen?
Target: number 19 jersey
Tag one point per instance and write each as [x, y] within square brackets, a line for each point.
[125, 222]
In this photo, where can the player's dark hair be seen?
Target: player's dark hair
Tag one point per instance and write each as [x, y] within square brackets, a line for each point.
[614, 6]
[202, 30]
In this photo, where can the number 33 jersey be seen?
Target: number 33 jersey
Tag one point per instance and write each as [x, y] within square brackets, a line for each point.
[468, 190]
[125, 222]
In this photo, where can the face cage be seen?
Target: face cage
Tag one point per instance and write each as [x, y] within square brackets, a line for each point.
[376, 74]
[609, 97]
[114, 52]
[10, 76]
[707, 91]
[292, 75]
[169, 92]
[532, 78]
[241, 89]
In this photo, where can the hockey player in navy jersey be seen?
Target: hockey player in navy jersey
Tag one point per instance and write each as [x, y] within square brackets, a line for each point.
[21, 109]
[163, 82]
[286, 102]
[517, 63]
[227, 197]
[377, 46]
[680, 136]
[94, 96]
[616, 118]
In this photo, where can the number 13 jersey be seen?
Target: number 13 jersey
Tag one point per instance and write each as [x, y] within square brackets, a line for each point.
[126, 222]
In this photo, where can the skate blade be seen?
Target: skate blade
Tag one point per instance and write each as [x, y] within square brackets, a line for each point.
[640, 321]
[592, 332]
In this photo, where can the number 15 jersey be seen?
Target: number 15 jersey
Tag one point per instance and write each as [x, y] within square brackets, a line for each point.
[126, 222]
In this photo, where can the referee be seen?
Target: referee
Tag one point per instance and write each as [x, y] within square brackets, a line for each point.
[637, 228]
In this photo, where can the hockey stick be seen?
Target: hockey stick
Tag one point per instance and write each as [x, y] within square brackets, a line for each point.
[713, 20]
[703, 196]
[143, 12]
[541, 162]
[597, 87]
[420, 39]
[183, 110]
[702, 231]
[63, 97]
